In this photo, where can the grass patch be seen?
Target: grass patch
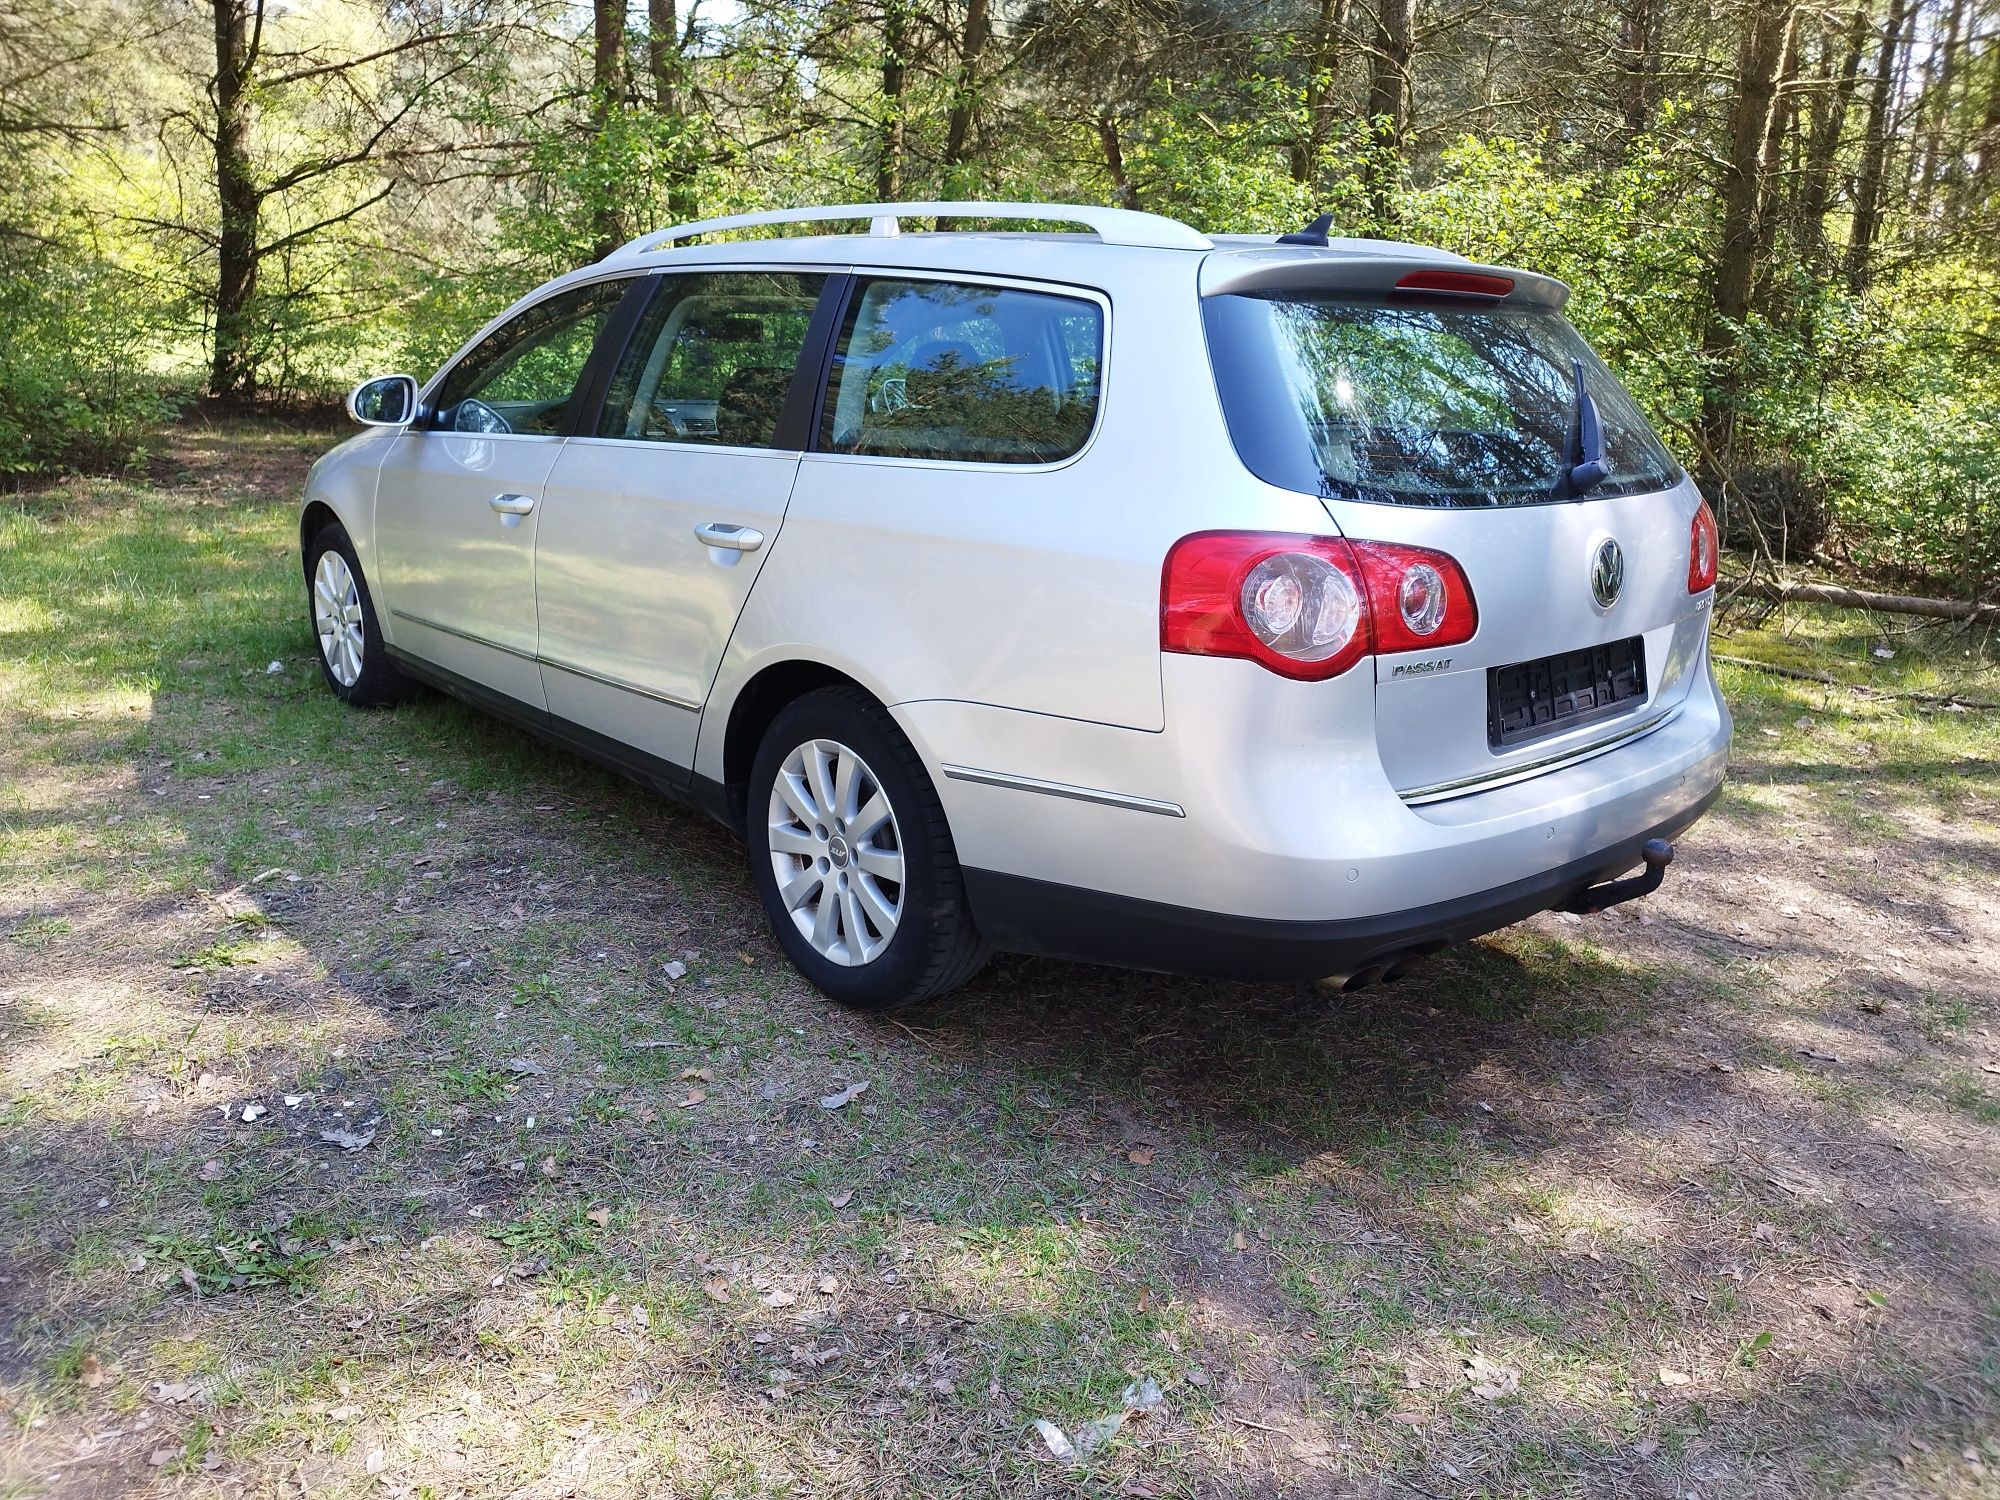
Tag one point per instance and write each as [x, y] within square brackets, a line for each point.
[518, 1212]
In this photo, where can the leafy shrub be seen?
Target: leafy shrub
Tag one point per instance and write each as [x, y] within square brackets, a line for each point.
[74, 389]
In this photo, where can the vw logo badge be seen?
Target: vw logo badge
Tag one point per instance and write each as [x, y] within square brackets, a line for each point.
[1607, 573]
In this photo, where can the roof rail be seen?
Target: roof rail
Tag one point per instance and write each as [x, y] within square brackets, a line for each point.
[1114, 226]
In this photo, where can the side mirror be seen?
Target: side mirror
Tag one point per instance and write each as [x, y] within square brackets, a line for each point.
[388, 401]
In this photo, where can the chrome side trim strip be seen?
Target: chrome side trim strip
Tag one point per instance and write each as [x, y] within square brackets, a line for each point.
[560, 666]
[1493, 780]
[630, 687]
[1064, 789]
[463, 635]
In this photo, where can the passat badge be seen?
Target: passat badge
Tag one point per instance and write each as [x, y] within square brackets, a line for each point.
[1421, 668]
[1607, 573]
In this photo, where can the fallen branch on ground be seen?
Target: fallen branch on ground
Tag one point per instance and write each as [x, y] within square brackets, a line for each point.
[1945, 700]
[1846, 598]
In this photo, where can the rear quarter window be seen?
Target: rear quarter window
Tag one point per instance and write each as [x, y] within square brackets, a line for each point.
[1417, 401]
[963, 372]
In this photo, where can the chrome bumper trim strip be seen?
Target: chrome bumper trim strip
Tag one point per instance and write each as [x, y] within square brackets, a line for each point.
[1441, 791]
[1064, 789]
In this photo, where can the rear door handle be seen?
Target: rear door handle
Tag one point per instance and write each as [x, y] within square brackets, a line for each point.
[512, 505]
[730, 538]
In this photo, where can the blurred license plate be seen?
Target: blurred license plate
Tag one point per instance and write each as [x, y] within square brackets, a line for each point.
[1530, 699]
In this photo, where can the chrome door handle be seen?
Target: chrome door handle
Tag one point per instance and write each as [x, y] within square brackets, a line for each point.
[512, 505]
[729, 538]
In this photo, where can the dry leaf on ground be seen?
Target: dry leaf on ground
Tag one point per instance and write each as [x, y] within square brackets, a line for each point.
[1491, 1380]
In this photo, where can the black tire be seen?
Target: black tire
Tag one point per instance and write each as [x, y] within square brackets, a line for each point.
[935, 947]
[379, 682]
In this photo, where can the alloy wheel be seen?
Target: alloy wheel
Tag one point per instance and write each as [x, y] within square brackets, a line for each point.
[836, 852]
[337, 617]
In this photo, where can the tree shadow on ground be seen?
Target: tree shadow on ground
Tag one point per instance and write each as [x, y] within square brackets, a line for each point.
[1592, 1153]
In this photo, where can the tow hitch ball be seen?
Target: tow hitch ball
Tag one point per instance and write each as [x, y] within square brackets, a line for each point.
[1657, 853]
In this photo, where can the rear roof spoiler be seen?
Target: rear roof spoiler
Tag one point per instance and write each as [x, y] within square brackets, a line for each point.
[1300, 269]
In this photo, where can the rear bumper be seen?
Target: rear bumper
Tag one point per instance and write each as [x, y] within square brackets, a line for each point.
[1023, 915]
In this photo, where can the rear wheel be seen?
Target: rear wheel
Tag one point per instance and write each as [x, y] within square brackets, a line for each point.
[351, 654]
[853, 858]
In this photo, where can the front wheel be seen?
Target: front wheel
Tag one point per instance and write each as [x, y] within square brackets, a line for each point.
[351, 655]
[853, 858]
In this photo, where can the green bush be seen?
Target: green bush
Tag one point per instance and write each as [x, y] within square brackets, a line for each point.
[1913, 431]
[74, 388]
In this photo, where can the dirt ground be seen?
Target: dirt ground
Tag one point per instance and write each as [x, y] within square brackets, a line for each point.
[393, 1105]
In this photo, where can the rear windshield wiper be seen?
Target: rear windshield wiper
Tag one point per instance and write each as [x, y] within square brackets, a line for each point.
[1583, 467]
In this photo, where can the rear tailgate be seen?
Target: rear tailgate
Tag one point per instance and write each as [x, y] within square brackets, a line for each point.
[1530, 568]
[1436, 403]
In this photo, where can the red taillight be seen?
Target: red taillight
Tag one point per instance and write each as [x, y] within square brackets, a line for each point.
[1417, 598]
[1457, 283]
[1702, 547]
[1309, 607]
[1293, 604]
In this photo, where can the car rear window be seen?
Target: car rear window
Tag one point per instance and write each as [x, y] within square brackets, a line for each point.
[965, 373]
[1417, 401]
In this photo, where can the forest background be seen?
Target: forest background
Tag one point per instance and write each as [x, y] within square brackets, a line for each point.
[1780, 217]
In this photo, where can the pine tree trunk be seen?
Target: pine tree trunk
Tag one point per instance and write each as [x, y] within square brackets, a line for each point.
[1323, 57]
[1971, 189]
[1114, 160]
[889, 140]
[607, 81]
[1829, 128]
[663, 53]
[1875, 151]
[1642, 53]
[1943, 72]
[663, 64]
[1760, 59]
[1770, 200]
[232, 364]
[1389, 104]
[958, 125]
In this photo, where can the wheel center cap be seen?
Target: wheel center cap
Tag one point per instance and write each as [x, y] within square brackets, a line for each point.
[836, 850]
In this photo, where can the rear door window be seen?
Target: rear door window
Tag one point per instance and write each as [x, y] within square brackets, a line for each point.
[521, 377]
[712, 360]
[963, 373]
[1418, 402]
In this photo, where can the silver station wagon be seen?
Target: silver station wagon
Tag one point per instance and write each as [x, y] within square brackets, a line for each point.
[1216, 604]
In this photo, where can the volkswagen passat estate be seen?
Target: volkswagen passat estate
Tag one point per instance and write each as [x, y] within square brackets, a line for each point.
[1226, 605]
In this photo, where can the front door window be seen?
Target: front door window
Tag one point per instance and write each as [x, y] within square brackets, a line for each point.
[522, 376]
